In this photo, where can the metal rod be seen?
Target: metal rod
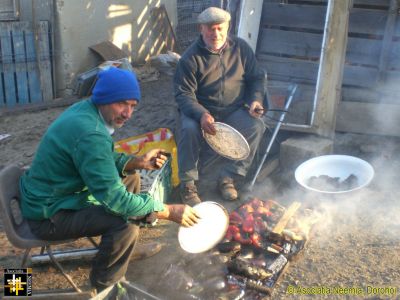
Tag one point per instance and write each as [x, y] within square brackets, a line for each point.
[25, 258]
[275, 133]
[60, 268]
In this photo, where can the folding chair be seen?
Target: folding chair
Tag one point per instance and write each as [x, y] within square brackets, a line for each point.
[16, 227]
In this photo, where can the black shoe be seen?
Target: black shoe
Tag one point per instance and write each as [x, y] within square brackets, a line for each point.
[189, 195]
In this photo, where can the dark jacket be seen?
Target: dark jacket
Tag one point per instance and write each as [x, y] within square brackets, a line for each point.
[217, 83]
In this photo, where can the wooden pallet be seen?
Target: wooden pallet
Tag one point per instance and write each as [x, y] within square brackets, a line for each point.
[25, 63]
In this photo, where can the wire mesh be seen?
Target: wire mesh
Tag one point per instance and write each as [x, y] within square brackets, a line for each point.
[186, 30]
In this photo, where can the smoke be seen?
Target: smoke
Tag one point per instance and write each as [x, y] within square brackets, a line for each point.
[384, 117]
[371, 213]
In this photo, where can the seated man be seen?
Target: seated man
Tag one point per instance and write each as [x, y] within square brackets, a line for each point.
[74, 189]
[216, 78]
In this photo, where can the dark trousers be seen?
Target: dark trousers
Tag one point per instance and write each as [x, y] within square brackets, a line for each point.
[118, 238]
[192, 146]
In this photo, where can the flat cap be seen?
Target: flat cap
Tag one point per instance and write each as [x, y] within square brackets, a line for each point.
[213, 15]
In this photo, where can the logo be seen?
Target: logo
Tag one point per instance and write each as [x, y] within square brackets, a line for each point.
[18, 282]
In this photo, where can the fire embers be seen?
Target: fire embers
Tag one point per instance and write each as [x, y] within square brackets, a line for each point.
[269, 226]
[262, 237]
[253, 223]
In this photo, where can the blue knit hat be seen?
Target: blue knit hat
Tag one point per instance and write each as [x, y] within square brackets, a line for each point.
[115, 85]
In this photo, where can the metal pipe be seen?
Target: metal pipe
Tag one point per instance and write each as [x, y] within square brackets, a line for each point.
[278, 125]
[293, 125]
[64, 255]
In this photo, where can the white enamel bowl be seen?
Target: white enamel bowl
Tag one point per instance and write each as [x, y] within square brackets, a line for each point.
[341, 166]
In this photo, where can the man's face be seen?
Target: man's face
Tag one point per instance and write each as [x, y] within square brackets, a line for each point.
[214, 35]
[116, 114]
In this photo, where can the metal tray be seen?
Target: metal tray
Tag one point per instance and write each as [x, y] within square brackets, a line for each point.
[228, 142]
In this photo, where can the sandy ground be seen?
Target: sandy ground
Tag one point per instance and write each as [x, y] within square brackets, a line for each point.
[353, 253]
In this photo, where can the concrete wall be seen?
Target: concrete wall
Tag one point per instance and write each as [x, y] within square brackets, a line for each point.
[83, 23]
[78, 24]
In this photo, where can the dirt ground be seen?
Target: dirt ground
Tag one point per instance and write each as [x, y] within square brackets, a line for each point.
[354, 249]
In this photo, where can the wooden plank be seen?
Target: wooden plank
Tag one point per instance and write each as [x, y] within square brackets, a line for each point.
[330, 73]
[8, 65]
[2, 99]
[280, 226]
[360, 76]
[394, 57]
[301, 44]
[32, 67]
[44, 61]
[366, 21]
[387, 95]
[369, 118]
[284, 2]
[363, 51]
[397, 28]
[387, 39]
[380, 3]
[295, 16]
[18, 30]
[393, 78]
[162, 28]
[308, 45]
[289, 69]
[305, 71]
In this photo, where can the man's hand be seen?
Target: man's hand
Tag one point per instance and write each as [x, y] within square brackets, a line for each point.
[152, 160]
[256, 110]
[179, 213]
[206, 123]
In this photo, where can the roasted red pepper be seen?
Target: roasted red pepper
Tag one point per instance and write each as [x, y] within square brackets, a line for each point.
[235, 218]
[238, 237]
[231, 231]
[248, 224]
[256, 240]
[263, 211]
[246, 209]
[256, 203]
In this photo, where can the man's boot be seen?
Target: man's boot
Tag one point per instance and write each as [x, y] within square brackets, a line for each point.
[143, 251]
[227, 189]
[189, 195]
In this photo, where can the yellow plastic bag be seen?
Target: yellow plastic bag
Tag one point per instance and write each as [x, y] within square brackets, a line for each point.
[159, 138]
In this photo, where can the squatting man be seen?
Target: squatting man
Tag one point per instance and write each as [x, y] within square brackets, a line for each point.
[77, 186]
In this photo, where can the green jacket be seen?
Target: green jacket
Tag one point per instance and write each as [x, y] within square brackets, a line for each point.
[75, 166]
